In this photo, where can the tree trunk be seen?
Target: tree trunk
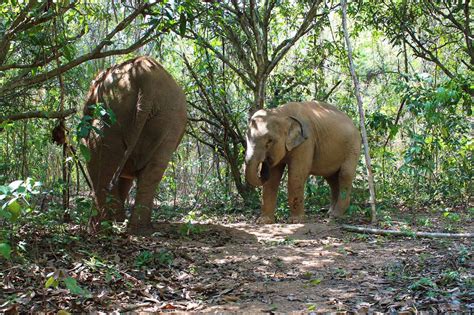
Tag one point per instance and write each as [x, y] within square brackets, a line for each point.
[259, 95]
[65, 173]
[368, 163]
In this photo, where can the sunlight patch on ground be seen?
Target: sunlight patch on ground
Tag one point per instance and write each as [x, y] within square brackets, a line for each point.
[278, 232]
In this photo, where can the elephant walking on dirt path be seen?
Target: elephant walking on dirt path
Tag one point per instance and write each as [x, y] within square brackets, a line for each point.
[150, 110]
[311, 138]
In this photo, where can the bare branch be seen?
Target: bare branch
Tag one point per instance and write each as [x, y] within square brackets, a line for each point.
[281, 50]
[38, 114]
[332, 90]
[224, 59]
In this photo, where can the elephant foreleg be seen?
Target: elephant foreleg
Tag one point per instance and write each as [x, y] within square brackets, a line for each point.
[297, 176]
[270, 192]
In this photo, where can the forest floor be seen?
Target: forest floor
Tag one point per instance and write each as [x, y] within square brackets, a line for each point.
[239, 267]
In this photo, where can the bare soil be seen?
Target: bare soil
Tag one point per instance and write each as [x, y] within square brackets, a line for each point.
[240, 267]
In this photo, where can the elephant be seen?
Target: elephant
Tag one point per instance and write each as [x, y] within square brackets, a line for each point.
[311, 138]
[150, 111]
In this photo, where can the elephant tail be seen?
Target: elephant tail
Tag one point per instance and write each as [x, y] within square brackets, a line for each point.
[143, 112]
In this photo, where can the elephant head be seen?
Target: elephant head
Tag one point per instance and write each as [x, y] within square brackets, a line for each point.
[270, 136]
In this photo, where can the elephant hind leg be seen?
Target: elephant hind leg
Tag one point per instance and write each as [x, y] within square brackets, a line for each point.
[124, 185]
[147, 181]
[345, 177]
[333, 182]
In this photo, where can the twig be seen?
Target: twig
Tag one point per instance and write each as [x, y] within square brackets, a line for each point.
[332, 90]
[76, 158]
[132, 307]
[361, 229]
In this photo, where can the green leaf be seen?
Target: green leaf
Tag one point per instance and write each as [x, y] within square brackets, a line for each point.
[112, 116]
[51, 282]
[4, 190]
[14, 185]
[5, 250]
[74, 288]
[314, 282]
[86, 153]
[15, 209]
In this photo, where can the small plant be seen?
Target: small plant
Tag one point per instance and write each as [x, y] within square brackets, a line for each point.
[278, 262]
[463, 254]
[426, 222]
[451, 216]
[58, 277]
[189, 228]
[449, 277]
[165, 258]
[162, 258]
[340, 272]
[311, 308]
[423, 283]
[14, 205]
[315, 282]
[144, 259]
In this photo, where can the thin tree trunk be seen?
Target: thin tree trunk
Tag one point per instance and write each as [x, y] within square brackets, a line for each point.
[24, 160]
[361, 110]
[259, 95]
[66, 177]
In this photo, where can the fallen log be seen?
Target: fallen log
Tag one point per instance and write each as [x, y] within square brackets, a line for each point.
[361, 229]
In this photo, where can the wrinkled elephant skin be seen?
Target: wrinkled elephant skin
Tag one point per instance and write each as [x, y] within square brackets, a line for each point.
[311, 138]
[150, 108]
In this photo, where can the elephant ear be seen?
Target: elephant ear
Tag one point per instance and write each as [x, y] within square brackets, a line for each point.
[297, 133]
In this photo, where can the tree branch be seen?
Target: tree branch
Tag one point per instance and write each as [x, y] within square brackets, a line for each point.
[38, 114]
[96, 53]
[281, 50]
[224, 59]
[332, 90]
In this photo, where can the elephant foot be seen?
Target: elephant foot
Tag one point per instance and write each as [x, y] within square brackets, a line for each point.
[141, 230]
[120, 218]
[335, 213]
[298, 219]
[265, 220]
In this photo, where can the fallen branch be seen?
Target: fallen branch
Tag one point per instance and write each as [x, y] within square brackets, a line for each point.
[361, 229]
[38, 114]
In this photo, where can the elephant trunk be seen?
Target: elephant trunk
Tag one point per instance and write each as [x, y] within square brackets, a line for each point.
[257, 172]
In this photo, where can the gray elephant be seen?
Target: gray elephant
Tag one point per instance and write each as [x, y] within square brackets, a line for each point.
[311, 138]
[150, 110]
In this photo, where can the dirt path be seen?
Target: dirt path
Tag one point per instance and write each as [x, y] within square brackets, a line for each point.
[242, 268]
[316, 267]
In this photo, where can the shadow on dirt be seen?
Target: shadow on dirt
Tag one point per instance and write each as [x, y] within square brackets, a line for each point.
[208, 234]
